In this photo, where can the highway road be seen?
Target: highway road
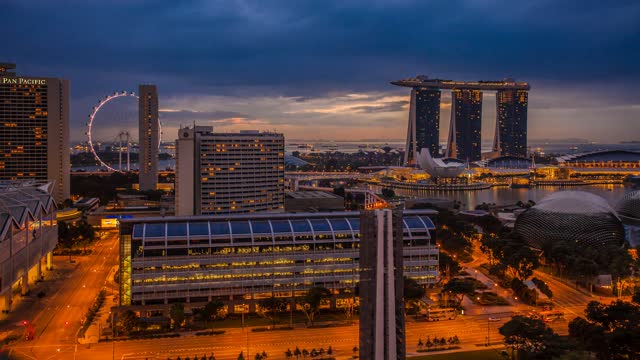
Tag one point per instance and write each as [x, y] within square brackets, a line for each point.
[58, 317]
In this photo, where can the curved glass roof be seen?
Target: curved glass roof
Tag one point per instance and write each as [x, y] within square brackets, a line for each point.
[261, 227]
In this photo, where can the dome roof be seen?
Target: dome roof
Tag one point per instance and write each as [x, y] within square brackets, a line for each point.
[629, 207]
[574, 202]
[571, 216]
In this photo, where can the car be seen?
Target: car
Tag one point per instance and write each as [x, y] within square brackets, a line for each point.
[494, 319]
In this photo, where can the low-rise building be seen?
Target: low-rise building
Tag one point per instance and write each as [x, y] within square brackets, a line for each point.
[28, 234]
[242, 258]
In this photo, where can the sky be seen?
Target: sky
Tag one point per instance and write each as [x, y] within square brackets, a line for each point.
[321, 69]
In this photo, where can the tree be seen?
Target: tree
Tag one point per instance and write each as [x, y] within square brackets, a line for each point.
[297, 353]
[288, 354]
[84, 233]
[241, 356]
[610, 331]
[636, 297]
[65, 237]
[310, 302]
[211, 311]
[128, 321]
[273, 306]
[459, 287]
[449, 265]
[531, 338]
[413, 293]
[388, 193]
[177, 314]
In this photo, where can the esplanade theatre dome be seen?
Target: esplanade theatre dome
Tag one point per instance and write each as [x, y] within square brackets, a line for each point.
[629, 208]
[571, 216]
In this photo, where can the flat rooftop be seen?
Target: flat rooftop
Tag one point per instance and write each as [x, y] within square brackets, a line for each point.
[422, 81]
[311, 195]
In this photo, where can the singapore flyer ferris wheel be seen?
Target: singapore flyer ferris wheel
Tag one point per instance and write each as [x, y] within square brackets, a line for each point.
[122, 137]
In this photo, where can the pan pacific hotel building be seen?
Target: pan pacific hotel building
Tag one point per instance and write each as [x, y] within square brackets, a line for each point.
[34, 128]
[242, 258]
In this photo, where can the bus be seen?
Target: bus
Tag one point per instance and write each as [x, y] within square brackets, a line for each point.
[549, 316]
[437, 314]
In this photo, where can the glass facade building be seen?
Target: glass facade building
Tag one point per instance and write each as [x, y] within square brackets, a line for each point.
[465, 128]
[511, 122]
[424, 123]
[464, 140]
[240, 258]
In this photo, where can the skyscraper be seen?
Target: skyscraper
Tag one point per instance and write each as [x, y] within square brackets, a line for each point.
[34, 126]
[382, 331]
[466, 124]
[149, 134]
[511, 122]
[424, 123]
[227, 173]
[464, 141]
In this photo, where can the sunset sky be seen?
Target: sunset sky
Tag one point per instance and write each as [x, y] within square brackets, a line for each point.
[321, 69]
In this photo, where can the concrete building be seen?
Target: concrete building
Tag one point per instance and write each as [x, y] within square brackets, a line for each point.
[228, 173]
[242, 258]
[312, 201]
[382, 331]
[28, 234]
[149, 136]
[34, 126]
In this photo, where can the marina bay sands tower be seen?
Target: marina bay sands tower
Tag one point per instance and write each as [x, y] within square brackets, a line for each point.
[464, 140]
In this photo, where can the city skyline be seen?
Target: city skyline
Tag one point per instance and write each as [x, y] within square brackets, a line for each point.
[245, 65]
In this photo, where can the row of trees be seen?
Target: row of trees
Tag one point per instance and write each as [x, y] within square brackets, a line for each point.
[438, 343]
[583, 263]
[339, 161]
[297, 353]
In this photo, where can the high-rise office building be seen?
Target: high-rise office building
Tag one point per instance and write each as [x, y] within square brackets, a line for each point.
[34, 128]
[228, 173]
[511, 122]
[424, 123]
[466, 125]
[382, 331]
[149, 134]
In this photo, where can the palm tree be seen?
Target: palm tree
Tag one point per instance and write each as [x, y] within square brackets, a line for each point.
[305, 353]
[297, 352]
[420, 343]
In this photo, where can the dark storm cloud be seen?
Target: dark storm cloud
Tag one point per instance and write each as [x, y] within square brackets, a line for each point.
[309, 46]
[305, 50]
